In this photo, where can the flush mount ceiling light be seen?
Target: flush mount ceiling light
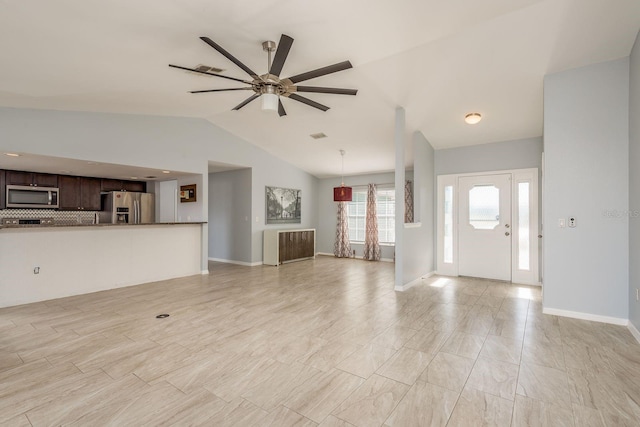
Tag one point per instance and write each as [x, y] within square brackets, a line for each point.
[12, 154]
[342, 193]
[270, 86]
[473, 118]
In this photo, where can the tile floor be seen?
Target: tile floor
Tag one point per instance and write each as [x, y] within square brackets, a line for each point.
[325, 342]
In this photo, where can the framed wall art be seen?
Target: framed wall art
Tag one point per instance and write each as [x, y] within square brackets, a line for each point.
[187, 193]
[283, 205]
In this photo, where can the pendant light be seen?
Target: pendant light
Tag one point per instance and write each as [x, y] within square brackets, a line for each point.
[342, 193]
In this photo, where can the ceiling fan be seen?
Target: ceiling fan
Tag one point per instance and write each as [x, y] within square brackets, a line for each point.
[270, 86]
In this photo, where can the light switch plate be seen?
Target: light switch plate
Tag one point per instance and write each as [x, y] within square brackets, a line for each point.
[561, 223]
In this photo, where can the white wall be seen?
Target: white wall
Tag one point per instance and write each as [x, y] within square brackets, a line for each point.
[230, 216]
[328, 211]
[79, 260]
[634, 183]
[418, 240]
[172, 143]
[586, 138]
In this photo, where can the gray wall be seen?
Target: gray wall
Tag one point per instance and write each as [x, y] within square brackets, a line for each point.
[173, 143]
[586, 131]
[634, 183]
[418, 254]
[518, 154]
[328, 210]
[230, 215]
[275, 175]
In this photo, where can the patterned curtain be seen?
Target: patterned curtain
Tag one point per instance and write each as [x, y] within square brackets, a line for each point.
[342, 247]
[408, 202]
[371, 245]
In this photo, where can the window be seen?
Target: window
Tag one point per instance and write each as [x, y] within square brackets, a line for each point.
[386, 213]
[484, 207]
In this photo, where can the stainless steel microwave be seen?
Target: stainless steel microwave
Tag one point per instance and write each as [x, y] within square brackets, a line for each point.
[22, 196]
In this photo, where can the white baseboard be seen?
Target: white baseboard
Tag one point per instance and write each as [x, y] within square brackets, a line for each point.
[586, 316]
[634, 331]
[230, 261]
[358, 257]
[205, 272]
[414, 282]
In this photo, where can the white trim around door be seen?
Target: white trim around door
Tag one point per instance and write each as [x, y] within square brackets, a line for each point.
[524, 224]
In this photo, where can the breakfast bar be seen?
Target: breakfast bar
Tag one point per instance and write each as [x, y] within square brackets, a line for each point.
[41, 263]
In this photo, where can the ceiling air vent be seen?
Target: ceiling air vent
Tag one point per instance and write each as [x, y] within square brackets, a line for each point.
[319, 135]
[206, 69]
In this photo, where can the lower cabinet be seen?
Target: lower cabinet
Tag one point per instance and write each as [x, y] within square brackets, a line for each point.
[282, 246]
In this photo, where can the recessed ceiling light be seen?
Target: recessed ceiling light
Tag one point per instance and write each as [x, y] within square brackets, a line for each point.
[12, 154]
[133, 177]
[64, 171]
[472, 118]
[93, 163]
[166, 171]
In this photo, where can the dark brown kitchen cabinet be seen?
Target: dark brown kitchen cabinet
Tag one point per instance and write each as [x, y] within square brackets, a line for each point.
[108, 184]
[79, 193]
[33, 179]
[138, 186]
[3, 192]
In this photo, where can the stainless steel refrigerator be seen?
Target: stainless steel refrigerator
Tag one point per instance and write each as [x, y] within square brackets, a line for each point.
[126, 207]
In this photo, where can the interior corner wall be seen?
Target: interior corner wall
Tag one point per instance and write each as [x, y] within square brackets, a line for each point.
[418, 241]
[328, 214]
[230, 216]
[274, 172]
[634, 183]
[586, 143]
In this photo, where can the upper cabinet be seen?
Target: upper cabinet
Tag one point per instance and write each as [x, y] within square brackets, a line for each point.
[120, 185]
[79, 193]
[31, 179]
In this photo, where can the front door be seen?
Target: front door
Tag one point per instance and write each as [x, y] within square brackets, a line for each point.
[484, 226]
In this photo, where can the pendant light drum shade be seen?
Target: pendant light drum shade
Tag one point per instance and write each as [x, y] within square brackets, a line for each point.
[342, 194]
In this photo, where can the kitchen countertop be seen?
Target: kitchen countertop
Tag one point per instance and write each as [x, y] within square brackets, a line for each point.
[95, 225]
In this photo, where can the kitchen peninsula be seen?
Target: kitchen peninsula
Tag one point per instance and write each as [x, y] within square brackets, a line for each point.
[41, 263]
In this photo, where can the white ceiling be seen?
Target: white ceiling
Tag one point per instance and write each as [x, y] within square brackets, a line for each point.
[437, 59]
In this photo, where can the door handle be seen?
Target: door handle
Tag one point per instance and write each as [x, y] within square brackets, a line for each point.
[507, 233]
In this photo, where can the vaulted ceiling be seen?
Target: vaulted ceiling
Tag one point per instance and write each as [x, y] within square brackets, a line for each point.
[437, 59]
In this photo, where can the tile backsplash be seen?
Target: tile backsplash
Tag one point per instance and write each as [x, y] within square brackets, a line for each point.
[60, 217]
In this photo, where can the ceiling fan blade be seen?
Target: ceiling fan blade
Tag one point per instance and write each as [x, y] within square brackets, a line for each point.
[208, 74]
[230, 57]
[333, 90]
[308, 102]
[321, 72]
[281, 54]
[221, 90]
[246, 101]
[281, 111]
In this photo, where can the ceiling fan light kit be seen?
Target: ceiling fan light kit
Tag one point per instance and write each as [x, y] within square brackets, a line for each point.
[270, 86]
